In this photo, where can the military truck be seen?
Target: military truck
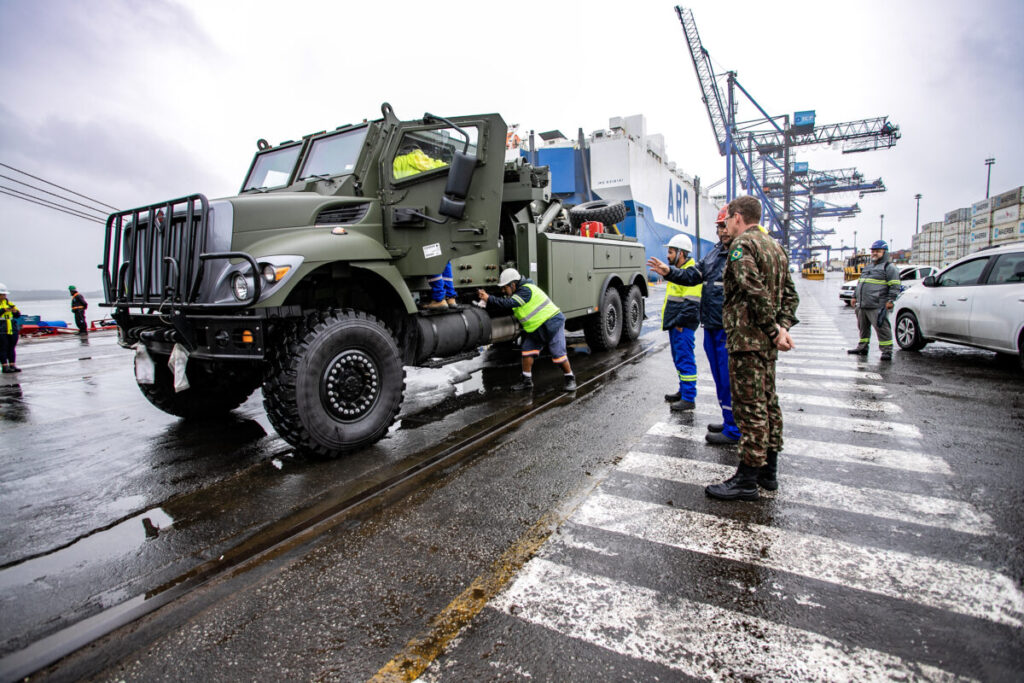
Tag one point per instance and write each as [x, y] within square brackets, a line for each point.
[310, 281]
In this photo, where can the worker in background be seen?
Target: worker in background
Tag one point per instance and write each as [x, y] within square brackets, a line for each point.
[760, 307]
[710, 271]
[680, 315]
[877, 289]
[78, 306]
[8, 331]
[543, 324]
[412, 161]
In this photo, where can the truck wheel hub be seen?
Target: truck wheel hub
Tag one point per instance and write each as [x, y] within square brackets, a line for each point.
[350, 385]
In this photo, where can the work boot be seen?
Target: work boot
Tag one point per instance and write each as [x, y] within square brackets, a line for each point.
[740, 486]
[570, 383]
[15, 368]
[433, 305]
[452, 302]
[766, 477]
[681, 405]
[523, 384]
[672, 398]
[7, 369]
[886, 355]
[720, 439]
[859, 350]
[716, 428]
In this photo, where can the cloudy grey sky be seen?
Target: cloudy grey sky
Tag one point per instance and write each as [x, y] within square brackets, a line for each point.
[135, 101]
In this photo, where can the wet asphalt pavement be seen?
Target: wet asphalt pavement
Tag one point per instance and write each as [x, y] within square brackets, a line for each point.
[579, 544]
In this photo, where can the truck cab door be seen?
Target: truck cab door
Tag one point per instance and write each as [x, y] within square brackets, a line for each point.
[421, 162]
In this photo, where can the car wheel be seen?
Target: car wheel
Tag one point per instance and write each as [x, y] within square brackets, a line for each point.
[908, 332]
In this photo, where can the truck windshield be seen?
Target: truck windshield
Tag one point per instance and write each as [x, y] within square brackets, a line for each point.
[272, 169]
[334, 155]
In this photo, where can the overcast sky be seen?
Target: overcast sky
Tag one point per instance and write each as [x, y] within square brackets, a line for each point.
[136, 101]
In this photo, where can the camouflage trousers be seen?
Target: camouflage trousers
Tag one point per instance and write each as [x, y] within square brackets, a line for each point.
[755, 405]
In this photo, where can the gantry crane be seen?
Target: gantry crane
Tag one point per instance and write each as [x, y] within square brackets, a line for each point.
[772, 139]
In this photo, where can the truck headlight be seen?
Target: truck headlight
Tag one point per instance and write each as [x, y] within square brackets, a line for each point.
[240, 287]
[272, 273]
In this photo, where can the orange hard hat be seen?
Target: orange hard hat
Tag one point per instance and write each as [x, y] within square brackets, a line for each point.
[722, 215]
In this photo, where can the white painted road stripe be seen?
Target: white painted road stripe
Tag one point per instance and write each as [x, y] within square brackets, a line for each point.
[822, 372]
[850, 424]
[837, 452]
[941, 513]
[694, 638]
[824, 385]
[942, 584]
[867, 403]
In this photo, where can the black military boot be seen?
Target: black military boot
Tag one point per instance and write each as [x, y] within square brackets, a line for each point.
[859, 350]
[886, 355]
[766, 477]
[524, 384]
[740, 486]
[672, 398]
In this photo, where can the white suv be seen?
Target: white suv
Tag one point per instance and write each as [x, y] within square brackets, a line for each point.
[977, 301]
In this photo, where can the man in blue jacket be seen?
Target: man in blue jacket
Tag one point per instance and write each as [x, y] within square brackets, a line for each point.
[710, 270]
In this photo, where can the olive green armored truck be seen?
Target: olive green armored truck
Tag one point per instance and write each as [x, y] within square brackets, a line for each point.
[310, 283]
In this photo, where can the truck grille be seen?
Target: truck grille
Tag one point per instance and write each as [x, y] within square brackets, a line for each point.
[347, 213]
[151, 254]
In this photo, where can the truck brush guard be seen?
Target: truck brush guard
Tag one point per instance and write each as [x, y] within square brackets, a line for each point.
[154, 257]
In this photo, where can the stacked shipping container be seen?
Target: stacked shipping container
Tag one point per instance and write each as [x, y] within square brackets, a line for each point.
[993, 221]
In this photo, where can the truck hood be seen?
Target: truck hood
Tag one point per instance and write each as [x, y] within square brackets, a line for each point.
[276, 210]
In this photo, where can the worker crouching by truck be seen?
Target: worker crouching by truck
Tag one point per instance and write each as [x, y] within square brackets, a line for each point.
[543, 324]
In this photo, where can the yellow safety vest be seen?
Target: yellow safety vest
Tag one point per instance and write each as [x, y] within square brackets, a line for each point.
[414, 162]
[681, 293]
[535, 312]
[7, 316]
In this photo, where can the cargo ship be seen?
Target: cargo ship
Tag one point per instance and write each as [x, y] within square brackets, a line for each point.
[624, 163]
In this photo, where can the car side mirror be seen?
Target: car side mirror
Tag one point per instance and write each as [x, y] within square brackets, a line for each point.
[460, 175]
[930, 281]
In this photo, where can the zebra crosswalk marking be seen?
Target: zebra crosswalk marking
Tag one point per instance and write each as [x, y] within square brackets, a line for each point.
[786, 370]
[932, 582]
[869, 404]
[941, 513]
[695, 638]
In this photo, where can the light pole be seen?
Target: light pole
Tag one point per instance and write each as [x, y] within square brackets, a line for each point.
[854, 242]
[917, 220]
[881, 226]
[988, 181]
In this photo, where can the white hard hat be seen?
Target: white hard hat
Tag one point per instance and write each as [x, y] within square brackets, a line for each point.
[3, 289]
[508, 276]
[681, 242]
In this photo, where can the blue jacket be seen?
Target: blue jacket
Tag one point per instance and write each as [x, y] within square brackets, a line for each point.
[709, 271]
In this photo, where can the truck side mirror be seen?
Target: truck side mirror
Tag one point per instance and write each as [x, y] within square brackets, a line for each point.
[460, 175]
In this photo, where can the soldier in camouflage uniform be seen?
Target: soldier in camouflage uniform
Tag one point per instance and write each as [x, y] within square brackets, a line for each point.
[760, 307]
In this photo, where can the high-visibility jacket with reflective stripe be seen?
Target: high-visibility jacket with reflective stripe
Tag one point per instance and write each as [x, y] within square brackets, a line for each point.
[7, 317]
[682, 304]
[878, 283]
[536, 311]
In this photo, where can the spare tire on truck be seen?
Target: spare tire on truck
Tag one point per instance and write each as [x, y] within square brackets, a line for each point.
[600, 210]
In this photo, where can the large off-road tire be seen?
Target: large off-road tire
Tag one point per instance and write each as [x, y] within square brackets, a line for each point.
[603, 329]
[335, 384]
[600, 210]
[908, 332]
[214, 389]
[632, 314]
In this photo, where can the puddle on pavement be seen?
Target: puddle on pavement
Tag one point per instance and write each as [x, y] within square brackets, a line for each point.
[102, 546]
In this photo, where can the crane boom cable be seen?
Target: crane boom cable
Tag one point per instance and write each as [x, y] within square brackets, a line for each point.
[49, 205]
[78, 194]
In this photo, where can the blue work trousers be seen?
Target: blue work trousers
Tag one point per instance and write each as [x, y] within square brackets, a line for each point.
[443, 286]
[718, 358]
[682, 340]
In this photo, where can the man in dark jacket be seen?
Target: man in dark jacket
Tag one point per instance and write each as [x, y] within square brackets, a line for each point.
[542, 322]
[877, 289]
[680, 315]
[78, 306]
[710, 271]
[760, 307]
